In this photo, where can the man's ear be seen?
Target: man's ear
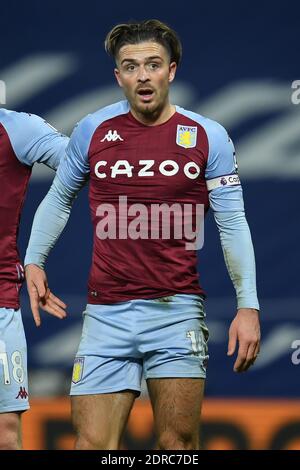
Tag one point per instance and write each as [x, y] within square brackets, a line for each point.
[172, 71]
[117, 75]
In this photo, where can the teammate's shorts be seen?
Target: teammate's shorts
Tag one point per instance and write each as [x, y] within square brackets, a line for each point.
[157, 338]
[13, 362]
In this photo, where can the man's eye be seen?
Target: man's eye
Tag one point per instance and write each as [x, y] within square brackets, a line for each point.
[154, 66]
[130, 68]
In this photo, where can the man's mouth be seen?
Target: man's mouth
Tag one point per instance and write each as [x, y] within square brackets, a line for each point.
[145, 94]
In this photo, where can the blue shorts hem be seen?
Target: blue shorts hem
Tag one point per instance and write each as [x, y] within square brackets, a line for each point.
[174, 375]
[105, 390]
[13, 408]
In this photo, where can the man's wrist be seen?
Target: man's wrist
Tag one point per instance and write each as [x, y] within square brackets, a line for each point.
[30, 264]
[254, 310]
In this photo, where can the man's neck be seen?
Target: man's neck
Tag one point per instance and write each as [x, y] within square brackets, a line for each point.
[159, 117]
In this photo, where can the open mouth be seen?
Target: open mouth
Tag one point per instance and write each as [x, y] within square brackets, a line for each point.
[145, 94]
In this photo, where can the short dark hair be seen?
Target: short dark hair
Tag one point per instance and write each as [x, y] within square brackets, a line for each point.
[147, 30]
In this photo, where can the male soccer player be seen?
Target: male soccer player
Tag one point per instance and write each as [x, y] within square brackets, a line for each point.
[145, 306]
[24, 140]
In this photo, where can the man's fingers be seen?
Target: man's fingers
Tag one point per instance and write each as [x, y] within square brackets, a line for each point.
[51, 307]
[56, 306]
[250, 356]
[241, 358]
[41, 287]
[231, 342]
[257, 349]
[36, 317]
[246, 356]
[54, 312]
[34, 304]
[255, 354]
[57, 301]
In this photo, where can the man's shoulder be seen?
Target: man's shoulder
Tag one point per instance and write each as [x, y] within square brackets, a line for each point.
[103, 114]
[9, 117]
[212, 128]
[4, 113]
[84, 130]
[17, 122]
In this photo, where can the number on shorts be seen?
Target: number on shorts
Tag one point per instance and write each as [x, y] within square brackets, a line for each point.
[3, 359]
[196, 341]
[18, 370]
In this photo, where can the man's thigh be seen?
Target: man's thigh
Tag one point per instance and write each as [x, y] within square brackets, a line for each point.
[100, 420]
[13, 362]
[10, 431]
[176, 404]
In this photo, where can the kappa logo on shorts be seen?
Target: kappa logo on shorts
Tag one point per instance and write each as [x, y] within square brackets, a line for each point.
[77, 369]
[22, 393]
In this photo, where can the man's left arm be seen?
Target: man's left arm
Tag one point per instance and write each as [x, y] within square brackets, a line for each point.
[239, 258]
[226, 200]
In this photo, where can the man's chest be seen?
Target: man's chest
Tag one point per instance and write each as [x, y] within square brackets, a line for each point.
[170, 159]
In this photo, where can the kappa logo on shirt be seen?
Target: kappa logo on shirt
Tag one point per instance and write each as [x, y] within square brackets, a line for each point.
[112, 136]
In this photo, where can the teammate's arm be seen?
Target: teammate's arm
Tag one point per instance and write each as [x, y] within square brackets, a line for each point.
[49, 221]
[36, 141]
[226, 200]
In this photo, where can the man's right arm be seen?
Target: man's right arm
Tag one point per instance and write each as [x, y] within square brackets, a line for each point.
[49, 222]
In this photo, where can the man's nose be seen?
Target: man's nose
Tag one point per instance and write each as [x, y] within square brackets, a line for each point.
[143, 75]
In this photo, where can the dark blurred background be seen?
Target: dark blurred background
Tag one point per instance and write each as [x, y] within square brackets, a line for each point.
[239, 63]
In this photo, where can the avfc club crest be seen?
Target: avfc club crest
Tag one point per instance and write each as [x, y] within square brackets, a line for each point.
[186, 136]
[77, 369]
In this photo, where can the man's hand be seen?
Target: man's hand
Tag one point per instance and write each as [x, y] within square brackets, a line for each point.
[40, 294]
[246, 330]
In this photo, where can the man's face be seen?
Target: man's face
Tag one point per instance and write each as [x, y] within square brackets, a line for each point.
[144, 72]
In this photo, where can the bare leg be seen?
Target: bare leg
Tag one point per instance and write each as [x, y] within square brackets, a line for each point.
[176, 404]
[100, 420]
[10, 431]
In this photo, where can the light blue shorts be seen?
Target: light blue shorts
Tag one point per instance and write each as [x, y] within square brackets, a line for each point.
[13, 362]
[157, 338]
